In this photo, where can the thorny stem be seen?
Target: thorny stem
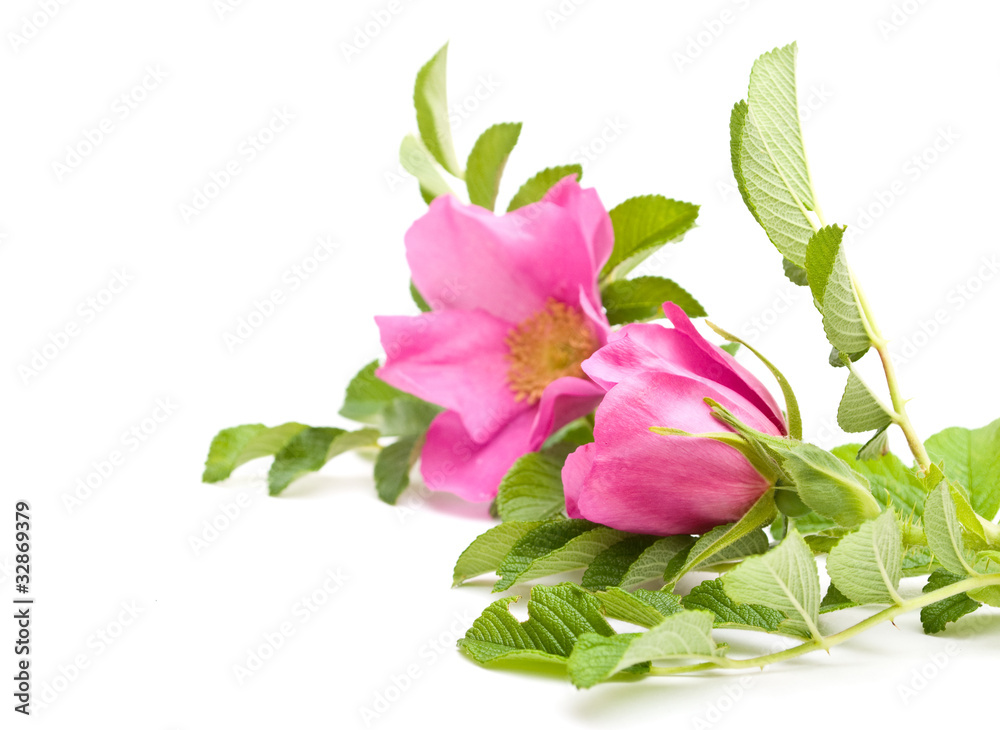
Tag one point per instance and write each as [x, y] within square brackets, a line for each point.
[899, 417]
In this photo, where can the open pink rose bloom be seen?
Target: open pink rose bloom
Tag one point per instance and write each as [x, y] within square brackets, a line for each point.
[633, 479]
[515, 311]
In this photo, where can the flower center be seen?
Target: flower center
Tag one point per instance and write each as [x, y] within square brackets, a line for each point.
[548, 345]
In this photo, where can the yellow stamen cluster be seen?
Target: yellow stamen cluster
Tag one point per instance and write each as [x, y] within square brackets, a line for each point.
[548, 345]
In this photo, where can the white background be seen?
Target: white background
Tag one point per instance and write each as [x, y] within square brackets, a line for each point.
[882, 92]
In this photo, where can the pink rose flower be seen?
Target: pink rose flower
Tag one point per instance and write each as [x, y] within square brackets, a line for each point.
[633, 479]
[515, 309]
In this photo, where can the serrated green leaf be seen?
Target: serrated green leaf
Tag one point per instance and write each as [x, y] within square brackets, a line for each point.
[393, 465]
[972, 458]
[892, 483]
[534, 189]
[416, 160]
[554, 548]
[793, 415]
[487, 161]
[860, 409]
[944, 532]
[642, 608]
[532, 489]
[641, 299]
[488, 550]
[716, 540]
[610, 567]
[834, 292]
[786, 580]
[683, 635]
[233, 447]
[375, 402]
[830, 487]
[654, 560]
[767, 196]
[775, 112]
[796, 274]
[834, 600]
[430, 97]
[642, 225]
[711, 596]
[937, 616]
[558, 615]
[310, 449]
[866, 565]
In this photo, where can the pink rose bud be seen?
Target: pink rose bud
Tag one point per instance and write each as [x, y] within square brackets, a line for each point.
[633, 479]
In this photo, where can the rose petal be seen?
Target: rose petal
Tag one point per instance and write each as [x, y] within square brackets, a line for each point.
[465, 257]
[731, 373]
[574, 475]
[456, 359]
[451, 461]
[562, 401]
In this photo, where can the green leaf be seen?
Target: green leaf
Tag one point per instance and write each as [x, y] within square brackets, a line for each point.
[535, 189]
[558, 615]
[417, 161]
[642, 608]
[721, 537]
[683, 635]
[753, 543]
[834, 292]
[943, 531]
[972, 458]
[834, 600]
[488, 550]
[392, 467]
[310, 449]
[975, 526]
[654, 560]
[642, 225]
[866, 565]
[830, 487]
[937, 616]
[765, 193]
[876, 447]
[987, 563]
[796, 274]
[641, 299]
[610, 567]
[430, 97]
[375, 402]
[860, 409]
[711, 596]
[774, 111]
[418, 299]
[487, 161]
[233, 447]
[892, 483]
[794, 416]
[786, 580]
[554, 548]
[532, 489]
